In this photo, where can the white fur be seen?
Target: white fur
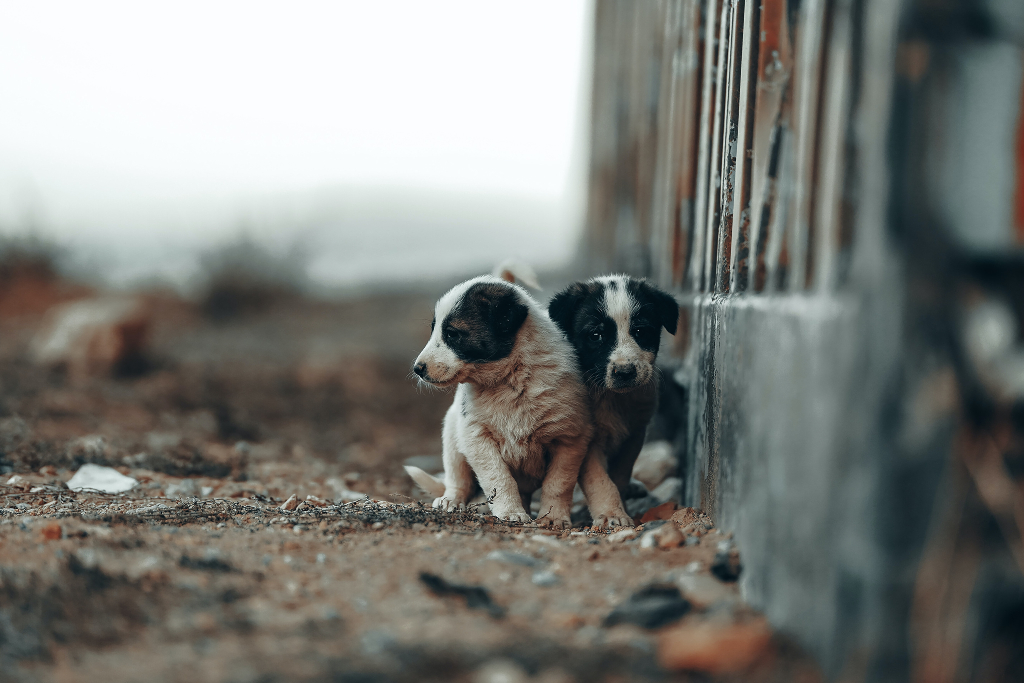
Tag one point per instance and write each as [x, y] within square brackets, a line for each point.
[510, 416]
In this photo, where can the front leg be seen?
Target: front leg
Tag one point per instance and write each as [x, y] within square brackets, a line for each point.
[499, 485]
[603, 497]
[560, 480]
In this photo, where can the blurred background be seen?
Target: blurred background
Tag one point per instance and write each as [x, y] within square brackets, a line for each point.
[372, 144]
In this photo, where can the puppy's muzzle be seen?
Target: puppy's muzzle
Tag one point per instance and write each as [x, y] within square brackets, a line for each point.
[420, 369]
[622, 376]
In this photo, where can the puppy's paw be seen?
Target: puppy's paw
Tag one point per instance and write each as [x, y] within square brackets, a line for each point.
[448, 504]
[612, 520]
[555, 522]
[521, 517]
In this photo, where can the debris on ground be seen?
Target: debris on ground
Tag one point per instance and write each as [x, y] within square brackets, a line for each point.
[727, 564]
[476, 597]
[103, 479]
[714, 649]
[650, 607]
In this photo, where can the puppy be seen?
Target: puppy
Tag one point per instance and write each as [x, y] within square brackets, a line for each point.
[521, 415]
[615, 323]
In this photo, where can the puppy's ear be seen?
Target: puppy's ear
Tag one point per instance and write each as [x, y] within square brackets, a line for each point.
[665, 304]
[562, 308]
[509, 313]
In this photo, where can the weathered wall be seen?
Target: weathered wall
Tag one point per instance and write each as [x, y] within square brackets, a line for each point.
[826, 185]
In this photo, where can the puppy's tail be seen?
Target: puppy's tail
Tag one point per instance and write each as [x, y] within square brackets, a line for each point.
[512, 270]
[432, 485]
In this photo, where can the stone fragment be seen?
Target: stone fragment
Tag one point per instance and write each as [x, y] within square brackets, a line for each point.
[650, 607]
[704, 591]
[545, 578]
[53, 532]
[620, 536]
[655, 462]
[518, 559]
[726, 565]
[91, 477]
[500, 671]
[665, 536]
[714, 649]
[659, 512]
[290, 504]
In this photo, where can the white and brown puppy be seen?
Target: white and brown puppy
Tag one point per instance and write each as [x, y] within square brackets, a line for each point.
[521, 416]
[615, 323]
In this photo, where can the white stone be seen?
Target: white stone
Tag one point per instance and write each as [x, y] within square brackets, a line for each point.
[655, 462]
[98, 478]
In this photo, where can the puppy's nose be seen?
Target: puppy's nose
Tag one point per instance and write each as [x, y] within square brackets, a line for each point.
[624, 372]
[420, 369]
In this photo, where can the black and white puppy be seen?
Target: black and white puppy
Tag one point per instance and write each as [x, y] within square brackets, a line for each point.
[521, 416]
[615, 324]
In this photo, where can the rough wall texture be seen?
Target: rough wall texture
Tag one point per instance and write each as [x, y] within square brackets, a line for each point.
[830, 188]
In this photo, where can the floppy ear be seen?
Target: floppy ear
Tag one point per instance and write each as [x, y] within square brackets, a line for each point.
[563, 306]
[665, 305]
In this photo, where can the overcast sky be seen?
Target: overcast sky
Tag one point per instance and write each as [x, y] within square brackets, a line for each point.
[167, 125]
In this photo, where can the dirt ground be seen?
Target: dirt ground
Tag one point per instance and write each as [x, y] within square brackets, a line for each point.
[198, 574]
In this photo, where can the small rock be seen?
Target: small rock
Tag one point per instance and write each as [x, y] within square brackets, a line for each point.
[506, 557]
[655, 462]
[53, 532]
[98, 478]
[476, 597]
[704, 591]
[714, 649]
[650, 607]
[48, 470]
[727, 564]
[313, 501]
[17, 480]
[670, 489]
[659, 512]
[206, 491]
[620, 536]
[290, 504]
[665, 536]
[545, 578]
[500, 671]
[377, 526]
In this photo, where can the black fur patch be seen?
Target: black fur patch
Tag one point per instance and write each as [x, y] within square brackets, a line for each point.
[579, 310]
[483, 326]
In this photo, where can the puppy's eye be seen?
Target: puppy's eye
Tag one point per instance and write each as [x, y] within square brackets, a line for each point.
[596, 336]
[452, 334]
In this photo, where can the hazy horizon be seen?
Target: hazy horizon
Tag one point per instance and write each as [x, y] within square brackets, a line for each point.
[398, 143]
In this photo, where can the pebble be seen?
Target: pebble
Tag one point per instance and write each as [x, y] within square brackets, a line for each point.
[726, 565]
[500, 671]
[53, 532]
[506, 557]
[545, 578]
[650, 607]
[620, 536]
[99, 478]
[714, 649]
[290, 504]
[704, 591]
[665, 536]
